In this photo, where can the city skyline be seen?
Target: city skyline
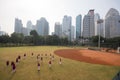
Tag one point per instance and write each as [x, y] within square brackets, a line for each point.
[52, 10]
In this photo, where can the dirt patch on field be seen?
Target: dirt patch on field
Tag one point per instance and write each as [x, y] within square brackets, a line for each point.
[90, 56]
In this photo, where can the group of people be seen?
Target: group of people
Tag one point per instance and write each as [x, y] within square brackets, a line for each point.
[51, 60]
[13, 64]
[39, 61]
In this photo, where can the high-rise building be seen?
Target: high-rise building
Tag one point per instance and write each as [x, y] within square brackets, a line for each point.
[25, 31]
[58, 29]
[88, 24]
[72, 33]
[99, 28]
[3, 33]
[29, 27]
[18, 26]
[112, 24]
[96, 18]
[78, 26]
[66, 27]
[42, 27]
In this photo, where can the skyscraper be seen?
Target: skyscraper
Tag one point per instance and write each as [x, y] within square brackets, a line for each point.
[42, 27]
[58, 29]
[72, 33]
[78, 26]
[96, 18]
[66, 27]
[18, 26]
[88, 24]
[25, 31]
[29, 27]
[99, 28]
[112, 24]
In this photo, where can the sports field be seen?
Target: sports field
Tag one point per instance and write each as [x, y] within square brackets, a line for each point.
[70, 69]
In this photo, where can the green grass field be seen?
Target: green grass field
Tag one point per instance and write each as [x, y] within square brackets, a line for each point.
[69, 70]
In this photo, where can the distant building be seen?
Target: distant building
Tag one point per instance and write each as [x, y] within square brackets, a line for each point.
[72, 33]
[29, 27]
[89, 25]
[25, 31]
[99, 28]
[112, 24]
[58, 29]
[96, 18]
[3, 33]
[18, 26]
[66, 27]
[78, 26]
[42, 27]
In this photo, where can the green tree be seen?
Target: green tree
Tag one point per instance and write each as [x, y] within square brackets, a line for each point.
[17, 37]
[4, 39]
[35, 37]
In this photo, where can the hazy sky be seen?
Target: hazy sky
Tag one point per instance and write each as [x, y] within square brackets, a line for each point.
[52, 10]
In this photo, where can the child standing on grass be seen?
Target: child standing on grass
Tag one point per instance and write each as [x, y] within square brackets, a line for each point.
[7, 63]
[41, 59]
[46, 55]
[50, 63]
[16, 60]
[24, 56]
[38, 66]
[19, 57]
[60, 61]
[13, 67]
[52, 57]
[38, 57]
[32, 54]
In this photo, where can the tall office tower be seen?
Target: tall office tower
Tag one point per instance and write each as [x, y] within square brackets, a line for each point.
[42, 27]
[89, 25]
[66, 27]
[29, 27]
[78, 26]
[72, 33]
[58, 29]
[3, 33]
[25, 31]
[99, 28]
[18, 26]
[96, 18]
[112, 24]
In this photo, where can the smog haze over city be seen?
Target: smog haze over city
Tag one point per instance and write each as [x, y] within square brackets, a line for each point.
[52, 10]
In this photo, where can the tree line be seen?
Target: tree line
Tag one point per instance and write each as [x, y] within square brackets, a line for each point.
[33, 39]
[106, 42]
[18, 39]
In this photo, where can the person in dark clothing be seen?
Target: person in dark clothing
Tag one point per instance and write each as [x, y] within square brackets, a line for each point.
[13, 67]
[38, 66]
[7, 63]
[50, 63]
